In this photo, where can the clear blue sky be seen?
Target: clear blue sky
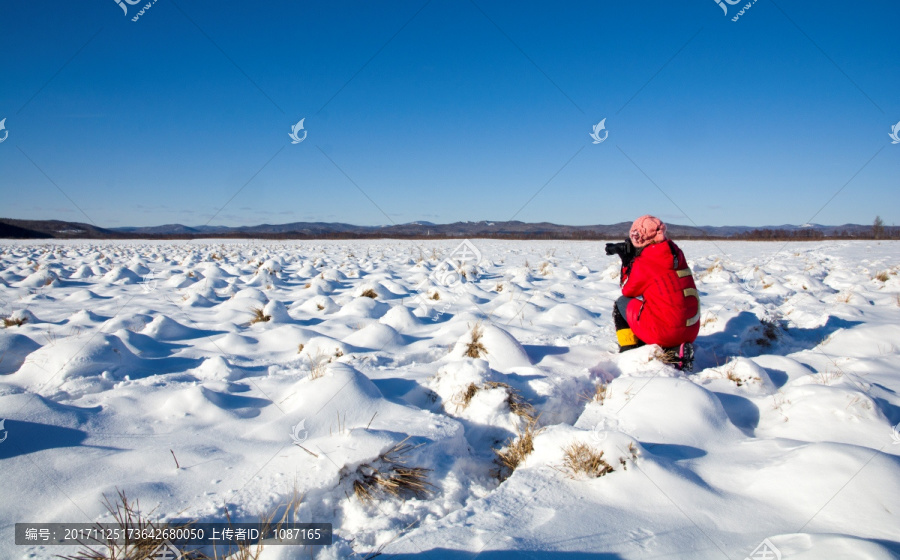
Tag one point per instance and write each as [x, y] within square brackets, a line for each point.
[449, 110]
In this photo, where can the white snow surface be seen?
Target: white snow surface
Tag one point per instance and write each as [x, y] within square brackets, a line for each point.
[133, 354]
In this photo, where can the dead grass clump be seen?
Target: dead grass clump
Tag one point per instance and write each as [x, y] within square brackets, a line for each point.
[545, 268]
[581, 459]
[733, 377]
[516, 450]
[514, 400]
[435, 296]
[320, 307]
[844, 297]
[369, 293]
[474, 348]
[498, 288]
[300, 348]
[390, 475]
[259, 316]
[770, 331]
[136, 530]
[882, 276]
[318, 364]
[666, 356]
[307, 285]
[716, 265]
[602, 391]
[17, 322]
[464, 398]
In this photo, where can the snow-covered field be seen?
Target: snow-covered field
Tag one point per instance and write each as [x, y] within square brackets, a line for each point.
[133, 354]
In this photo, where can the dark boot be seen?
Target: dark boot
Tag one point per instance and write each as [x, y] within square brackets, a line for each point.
[681, 356]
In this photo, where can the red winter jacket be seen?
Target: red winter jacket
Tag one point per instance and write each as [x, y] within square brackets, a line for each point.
[670, 311]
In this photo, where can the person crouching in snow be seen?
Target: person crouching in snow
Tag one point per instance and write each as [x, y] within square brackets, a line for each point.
[660, 303]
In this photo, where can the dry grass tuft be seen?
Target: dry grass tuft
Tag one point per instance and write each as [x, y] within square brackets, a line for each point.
[435, 296]
[10, 322]
[602, 391]
[318, 364]
[391, 476]
[770, 332]
[666, 356]
[259, 316]
[581, 459]
[716, 265]
[516, 450]
[132, 523]
[498, 288]
[514, 400]
[732, 376]
[546, 269]
[307, 285]
[474, 348]
[464, 398]
[882, 276]
[370, 293]
[844, 297]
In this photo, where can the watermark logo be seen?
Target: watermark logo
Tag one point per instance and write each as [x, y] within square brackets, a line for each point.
[165, 551]
[149, 282]
[601, 429]
[741, 12]
[462, 262]
[3, 431]
[299, 433]
[600, 126]
[722, 5]
[295, 130]
[142, 11]
[765, 551]
[895, 133]
[6, 132]
[895, 433]
[122, 4]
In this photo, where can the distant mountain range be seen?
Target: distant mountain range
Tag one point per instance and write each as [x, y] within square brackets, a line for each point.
[55, 229]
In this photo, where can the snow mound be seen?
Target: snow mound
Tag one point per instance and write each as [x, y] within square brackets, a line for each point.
[164, 328]
[14, 350]
[400, 318]
[319, 305]
[500, 348]
[565, 314]
[376, 336]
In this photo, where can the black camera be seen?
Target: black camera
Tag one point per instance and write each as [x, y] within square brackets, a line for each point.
[625, 250]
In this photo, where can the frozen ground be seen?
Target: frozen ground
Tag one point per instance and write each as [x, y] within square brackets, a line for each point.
[131, 352]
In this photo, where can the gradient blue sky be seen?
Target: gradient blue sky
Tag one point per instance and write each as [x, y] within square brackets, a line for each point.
[449, 110]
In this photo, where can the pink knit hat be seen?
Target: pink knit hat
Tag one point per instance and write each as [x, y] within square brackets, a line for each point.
[647, 230]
